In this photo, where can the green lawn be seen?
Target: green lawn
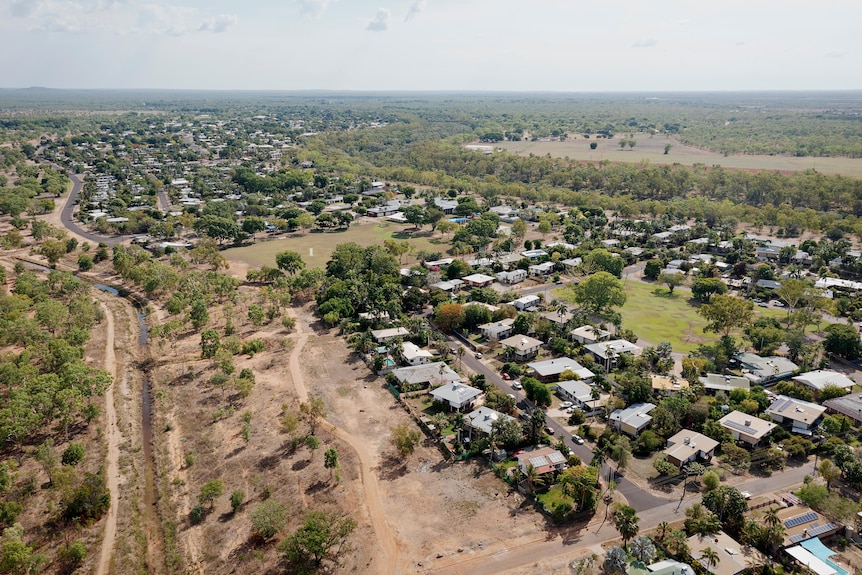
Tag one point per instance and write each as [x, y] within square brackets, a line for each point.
[554, 497]
[315, 248]
[655, 316]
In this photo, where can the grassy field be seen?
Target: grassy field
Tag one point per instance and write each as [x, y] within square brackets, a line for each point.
[652, 149]
[316, 248]
[655, 316]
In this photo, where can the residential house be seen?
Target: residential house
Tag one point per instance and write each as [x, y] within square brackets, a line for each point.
[437, 264]
[445, 206]
[542, 269]
[565, 245]
[608, 352]
[670, 567]
[482, 419]
[458, 396]
[571, 263]
[534, 254]
[581, 394]
[801, 523]
[746, 428]
[385, 210]
[767, 254]
[448, 286]
[497, 330]
[543, 459]
[717, 382]
[512, 277]
[687, 446]
[849, 405]
[818, 379]
[427, 374]
[633, 419]
[817, 561]
[800, 416]
[550, 369]
[487, 306]
[526, 303]
[384, 335]
[478, 280]
[668, 385]
[732, 557]
[765, 370]
[415, 355]
[768, 284]
[588, 334]
[557, 318]
[522, 347]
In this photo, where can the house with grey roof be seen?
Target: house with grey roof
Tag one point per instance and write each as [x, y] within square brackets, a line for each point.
[458, 396]
[550, 369]
[687, 446]
[588, 334]
[849, 405]
[512, 276]
[497, 330]
[429, 374]
[746, 428]
[384, 335]
[581, 394]
[482, 419]
[717, 382]
[522, 347]
[818, 379]
[633, 419]
[799, 416]
[765, 370]
[608, 352]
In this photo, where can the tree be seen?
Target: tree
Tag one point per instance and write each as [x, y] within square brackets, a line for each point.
[671, 280]
[289, 261]
[828, 471]
[710, 556]
[843, 341]
[667, 148]
[237, 498]
[253, 225]
[210, 491]
[449, 316]
[322, 537]
[73, 454]
[312, 443]
[312, 411]
[616, 561]
[792, 291]
[728, 504]
[600, 291]
[415, 215]
[726, 313]
[603, 260]
[210, 343]
[643, 549]
[268, 518]
[652, 269]
[711, 480]
[704, 288]
[330, 461]
[404, 438]
[625, 520]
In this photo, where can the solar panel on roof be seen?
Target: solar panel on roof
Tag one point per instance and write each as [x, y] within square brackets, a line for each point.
[793, 522]
[556, 457]
[539, 461]
[821, 529]
[740, 427]
[784, 405]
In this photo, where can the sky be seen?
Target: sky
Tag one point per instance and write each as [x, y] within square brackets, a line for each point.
[497, 45]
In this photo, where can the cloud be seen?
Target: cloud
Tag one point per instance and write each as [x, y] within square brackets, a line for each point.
[415, 9]
[313, 8]
[380, 23]
[24, 8]
[647, 43]
[218, 24]
[837, 54]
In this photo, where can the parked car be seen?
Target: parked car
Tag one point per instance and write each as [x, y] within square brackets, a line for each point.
[549, 430]
[566, 404]
[578, 439]
[512, 395]
[570, 409]
[478, 355]
[777, 303]
[506, 376]
[517, 384]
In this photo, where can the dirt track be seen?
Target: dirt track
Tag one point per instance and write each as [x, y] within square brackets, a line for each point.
[384, 532]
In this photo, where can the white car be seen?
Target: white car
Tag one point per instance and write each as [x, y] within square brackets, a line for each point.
[517, 385]
[478, 355]
[566, 404]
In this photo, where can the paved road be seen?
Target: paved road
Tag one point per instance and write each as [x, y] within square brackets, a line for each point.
[637, 497]
[69, 223]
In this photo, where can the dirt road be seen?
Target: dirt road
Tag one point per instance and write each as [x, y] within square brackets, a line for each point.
[391, 556]
[112, 434]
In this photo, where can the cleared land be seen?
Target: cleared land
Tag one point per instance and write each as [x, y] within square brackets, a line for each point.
[657, 316]
[315, 248]
[651, 149]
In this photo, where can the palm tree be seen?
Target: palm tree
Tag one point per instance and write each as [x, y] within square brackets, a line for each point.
[461, 351]
[663, 529]
[710, 556]
[677, 542]
[531, 476]
[626, 522]
[771, 517]
[643, 549]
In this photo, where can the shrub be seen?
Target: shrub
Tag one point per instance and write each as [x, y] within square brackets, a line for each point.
[90, 500]
[196, 515]
[237, 498]
[253, 346]
[73, 555]
[577, 417]
[73, 454]
[268, 518]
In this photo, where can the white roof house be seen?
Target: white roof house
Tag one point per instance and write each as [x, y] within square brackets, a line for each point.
[428, 373]
[588, 334]
[820, 378]
[415, 355]
[719, 382]
[523, 346]
[764, 370]
[527, 302]
[483, 419]
[633, 419]
[496, 330]
[383, 335]
[478, 280]
[609, 351]
[688, 445]
[542, 269]
[581, 394]
[550, 369]
[512, 276]
[745, 427]
[457, 395]
[802, 415]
